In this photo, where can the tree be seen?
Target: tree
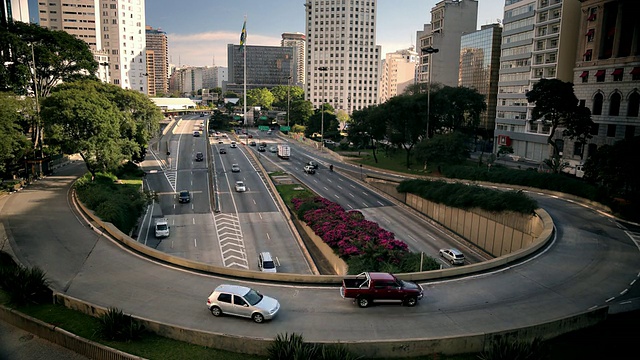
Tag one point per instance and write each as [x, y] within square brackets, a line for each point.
[406, 118]
[616, 168]
[459, 111]
[301, 111]
[313, 124]
[13, 144]
[367, 126]
[443, 149]
[260, 97]
[556, 105]
[281, 95]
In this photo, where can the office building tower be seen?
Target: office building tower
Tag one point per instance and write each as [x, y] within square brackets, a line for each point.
[607, 73]
[158, 74]
[479, 70]
[112, 26]
[343, 60]
[298, 42]
[267, 67]
[450, 19]
[214, 77]
[398, 72]
[14, 10]
[533, 31]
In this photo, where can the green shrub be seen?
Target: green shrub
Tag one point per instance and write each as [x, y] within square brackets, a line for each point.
[293, 347]
[505, 349]
[336, 352]
[307, 206]
[469, 196]
[116, 326]
[25, 285]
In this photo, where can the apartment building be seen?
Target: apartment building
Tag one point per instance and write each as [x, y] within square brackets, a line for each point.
[299, 44]
[398, 72]
[114, 26]
[479, 70]
[214, 76]
[187, 80]
[342, 60]
[267, 67]
[450, 19]
[158, 74]
[539, 40]
[606, 76]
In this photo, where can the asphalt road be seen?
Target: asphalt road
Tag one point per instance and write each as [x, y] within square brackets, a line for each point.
[591, 263]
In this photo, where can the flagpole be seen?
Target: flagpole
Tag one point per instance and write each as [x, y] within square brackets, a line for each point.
[245, 84]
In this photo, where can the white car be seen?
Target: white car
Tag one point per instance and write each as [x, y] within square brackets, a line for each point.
[233, 144]
[240, 187]
[235, 168]
[454, 256]
[242, 301]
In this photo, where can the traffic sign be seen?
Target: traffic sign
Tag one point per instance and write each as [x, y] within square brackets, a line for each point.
[263, 128]
[285, 128]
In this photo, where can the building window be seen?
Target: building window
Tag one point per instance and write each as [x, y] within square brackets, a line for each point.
[577, 149]
[611, 130]
[629, 132]
[600, 75]
[617, 74]
[587, 55]
[635, 73]
[614, 104]
[597, 104]
[634, 105]
[595, 129]
[585, 76]
[591, 35]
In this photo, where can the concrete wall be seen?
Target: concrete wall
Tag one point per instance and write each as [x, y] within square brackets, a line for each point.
[338, 265]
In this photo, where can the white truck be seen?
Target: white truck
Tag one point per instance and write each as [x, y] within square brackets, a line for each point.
[162, 228]
[284, 152]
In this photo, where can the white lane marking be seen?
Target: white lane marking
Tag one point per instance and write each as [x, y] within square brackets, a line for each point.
[254, 202]
[349, 205]
[194, 221]
[365, 204]
[326, 188]
[610, 299]
[195, 242]
[339, 187]
[268, 237]
[336, 195]
[352, 186]
[351, 195]
[260, 214]
[381, 204]
[624, 291]
[365, 194]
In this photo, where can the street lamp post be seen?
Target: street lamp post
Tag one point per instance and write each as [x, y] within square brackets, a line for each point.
[322, 69]
[429, 50]
[288, 99]
[39, 134]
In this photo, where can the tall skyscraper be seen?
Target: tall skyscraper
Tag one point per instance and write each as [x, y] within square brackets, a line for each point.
[298, 42]
[156, 41]
[267, 67]
[398, 72]
[343, 60]
[531, 37]
[479, 69]
[450, 19]
[14, 10]
[607, 73]
[119, 32]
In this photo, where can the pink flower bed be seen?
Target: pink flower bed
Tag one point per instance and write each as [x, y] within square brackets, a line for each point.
[348, 233]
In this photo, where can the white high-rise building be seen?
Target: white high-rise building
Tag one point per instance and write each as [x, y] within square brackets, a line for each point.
[214, 76]
[398, 72]
[343, 60]
[114, 27]
[298, 42]
[14, 10]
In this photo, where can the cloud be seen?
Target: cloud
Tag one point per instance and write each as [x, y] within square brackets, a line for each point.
[200, 49]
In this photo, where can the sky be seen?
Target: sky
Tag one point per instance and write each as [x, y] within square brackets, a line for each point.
[200, 30]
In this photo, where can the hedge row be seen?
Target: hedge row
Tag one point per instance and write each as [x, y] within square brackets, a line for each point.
[469, 196]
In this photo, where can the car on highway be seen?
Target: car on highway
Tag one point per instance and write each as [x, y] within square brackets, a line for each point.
[240, 187]
[273, 149]
[196, 133]
[252, 143]
[454, 256]
[309, 169]
[235, 168]
[242, 301]
[233, 144]
[266, 263]
[199, 156]
[223, 151]
[184, 196]
[313, 164]
[262, 148]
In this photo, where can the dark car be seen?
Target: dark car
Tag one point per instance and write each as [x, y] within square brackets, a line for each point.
[262, 148]
[184, 196]
[252, 143]
[199, 156]
[313, 164]
[223, 151]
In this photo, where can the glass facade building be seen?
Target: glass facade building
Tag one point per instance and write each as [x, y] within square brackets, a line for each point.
[267, 67]
[479, 69]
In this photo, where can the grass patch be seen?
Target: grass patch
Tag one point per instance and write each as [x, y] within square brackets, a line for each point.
[290, 191]
[393, 160]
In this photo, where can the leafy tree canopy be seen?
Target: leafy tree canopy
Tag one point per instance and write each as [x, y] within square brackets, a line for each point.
[444, 149]
[13, 144]
[260, 97]
[301, 111]
[283, 92]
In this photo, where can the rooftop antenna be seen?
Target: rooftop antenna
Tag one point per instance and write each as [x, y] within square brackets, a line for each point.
[213, 60]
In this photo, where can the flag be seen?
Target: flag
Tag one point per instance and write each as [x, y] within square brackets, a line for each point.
[243, 35]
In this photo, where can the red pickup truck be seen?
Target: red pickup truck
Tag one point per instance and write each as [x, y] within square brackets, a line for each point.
[368, 287]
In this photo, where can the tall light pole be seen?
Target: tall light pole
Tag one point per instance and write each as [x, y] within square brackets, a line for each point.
[40, 130]
[429, 51]
[322, 69]
[288, 98]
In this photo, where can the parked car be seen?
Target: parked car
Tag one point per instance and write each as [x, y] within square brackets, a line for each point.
[366, 288]
[223, 151]
[235, 168]
[309, 169]
[313, 164]
[199, 156]
[454, 256]
[242, 301]
[240, 187]
[184, 196]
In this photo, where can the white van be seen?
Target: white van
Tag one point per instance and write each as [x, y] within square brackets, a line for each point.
[266, 263]
[162, 228]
